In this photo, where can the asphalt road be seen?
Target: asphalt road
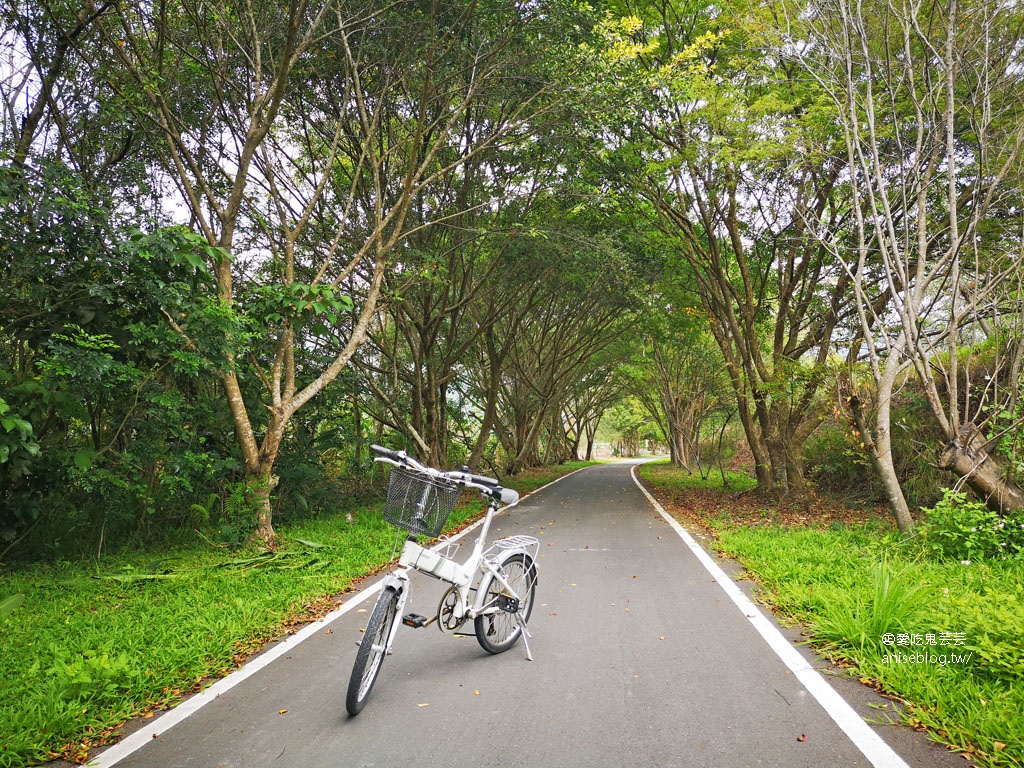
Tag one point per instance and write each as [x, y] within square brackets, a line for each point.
[640, 659]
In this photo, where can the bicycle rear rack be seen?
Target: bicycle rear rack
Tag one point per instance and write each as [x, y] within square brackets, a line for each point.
[528, 544]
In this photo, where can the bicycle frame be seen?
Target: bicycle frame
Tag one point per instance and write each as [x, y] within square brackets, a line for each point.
[461, 575]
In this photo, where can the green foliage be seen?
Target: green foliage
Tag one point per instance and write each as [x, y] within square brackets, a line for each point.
[238, 517]
[859, 615]
[110, 339]
[92, 674]
[837, 461]
[10, 604]
[17, 445]
[632, 421]
[992, 622]
[295, 302]
[964, 529]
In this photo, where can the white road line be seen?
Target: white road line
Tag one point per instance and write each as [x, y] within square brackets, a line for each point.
[193, 704]
[878, 753]
[119, 751]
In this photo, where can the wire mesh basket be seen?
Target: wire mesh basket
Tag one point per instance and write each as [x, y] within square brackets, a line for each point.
[418, 502]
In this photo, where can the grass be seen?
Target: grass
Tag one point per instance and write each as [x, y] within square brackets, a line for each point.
[943, 637]
[94, 644]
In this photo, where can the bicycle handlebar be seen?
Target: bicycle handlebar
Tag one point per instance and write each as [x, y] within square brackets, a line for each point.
[488, 485]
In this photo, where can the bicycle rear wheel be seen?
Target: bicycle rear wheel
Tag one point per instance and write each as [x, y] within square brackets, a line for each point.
[501, 627]
[372, 650]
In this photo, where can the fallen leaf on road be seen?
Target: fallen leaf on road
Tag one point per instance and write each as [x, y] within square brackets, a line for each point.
[422, 705]
[281, 711]
[801, 737]
[329, 632]
[476, 693]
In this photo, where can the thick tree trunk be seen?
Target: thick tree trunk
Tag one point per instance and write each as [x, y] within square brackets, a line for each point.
[967, 457]
[260, 487]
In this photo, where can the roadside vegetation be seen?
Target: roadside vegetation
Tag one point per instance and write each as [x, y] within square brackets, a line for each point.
[239, 242]
[935, 622]
[93, 644]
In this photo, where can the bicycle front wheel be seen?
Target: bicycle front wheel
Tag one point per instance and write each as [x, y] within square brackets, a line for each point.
[372, 650]
[501, 626]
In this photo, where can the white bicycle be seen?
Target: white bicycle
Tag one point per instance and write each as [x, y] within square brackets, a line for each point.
[494, 587]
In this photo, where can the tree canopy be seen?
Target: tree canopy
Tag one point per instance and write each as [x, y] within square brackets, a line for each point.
[240, 241]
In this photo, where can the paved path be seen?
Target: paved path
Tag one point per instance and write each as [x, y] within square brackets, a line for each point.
[641, 659]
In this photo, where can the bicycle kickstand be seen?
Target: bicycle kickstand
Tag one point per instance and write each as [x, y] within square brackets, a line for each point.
[526, 638]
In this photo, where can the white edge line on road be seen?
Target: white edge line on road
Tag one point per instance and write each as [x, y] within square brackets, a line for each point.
[874, 748]
[132, 743]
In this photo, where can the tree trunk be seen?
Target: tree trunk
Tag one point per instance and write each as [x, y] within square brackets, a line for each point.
[967, 456]
[260, 486]
[878, 442]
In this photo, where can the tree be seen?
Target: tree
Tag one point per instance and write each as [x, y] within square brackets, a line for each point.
[929, 100]
[571, 321]
[113, 396]
[42, 93]
[585, 407]
[679, 377]
[450, 291]
[729, 149]
[298, 137]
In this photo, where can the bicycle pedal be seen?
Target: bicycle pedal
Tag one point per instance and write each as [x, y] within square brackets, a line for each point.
[414, 620]
[508, 604]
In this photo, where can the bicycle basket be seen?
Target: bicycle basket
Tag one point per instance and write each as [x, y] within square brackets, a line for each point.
[418, 502]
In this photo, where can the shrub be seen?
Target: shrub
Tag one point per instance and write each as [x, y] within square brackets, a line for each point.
[993, 625]
[836, 461]
[959, 528]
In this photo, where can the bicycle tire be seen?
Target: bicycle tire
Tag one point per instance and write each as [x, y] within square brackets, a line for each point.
[372, 650]
[500, 630]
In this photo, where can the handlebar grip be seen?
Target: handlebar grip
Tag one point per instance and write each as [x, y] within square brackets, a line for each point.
[482, 479]
[387, 453]
[465, 476]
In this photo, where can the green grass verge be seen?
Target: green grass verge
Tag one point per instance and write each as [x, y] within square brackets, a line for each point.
[946, 638]
[94, 644]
